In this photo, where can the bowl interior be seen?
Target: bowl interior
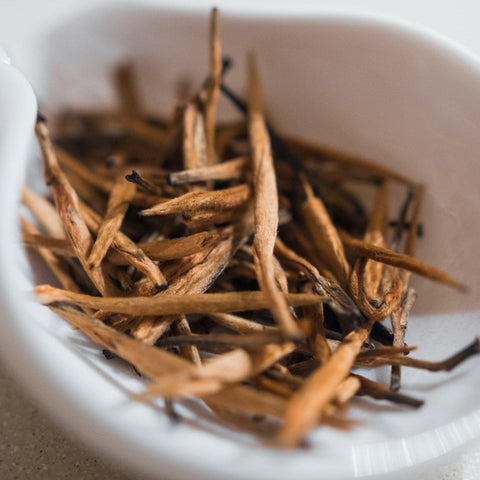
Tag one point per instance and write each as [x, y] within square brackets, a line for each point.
[366, 85]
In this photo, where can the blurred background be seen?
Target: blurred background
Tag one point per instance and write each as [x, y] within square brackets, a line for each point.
[31, 446]
[457, 19]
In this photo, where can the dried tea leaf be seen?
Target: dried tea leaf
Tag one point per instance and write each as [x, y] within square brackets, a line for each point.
[57, 265]
[182, 327]
[266, 206]
[329, 154]
[194, 141]
[216, 200]
[399, 324]
[239, 324]
[306, 406]
[213, 91]
[44, 212]
[68, 208]
[229, 170]
[171, 304]
[128, 249]
[120, 197]
[324, 235]
[400, 260]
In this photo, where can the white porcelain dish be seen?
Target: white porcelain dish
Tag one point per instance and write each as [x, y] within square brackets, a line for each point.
[368, 84]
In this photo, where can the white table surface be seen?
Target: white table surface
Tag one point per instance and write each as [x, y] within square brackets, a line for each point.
[31, 446]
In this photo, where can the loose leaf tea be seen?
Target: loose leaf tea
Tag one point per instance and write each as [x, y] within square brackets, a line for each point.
[232, 262]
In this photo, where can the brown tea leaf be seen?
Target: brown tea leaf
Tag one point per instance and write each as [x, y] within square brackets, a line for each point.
[120, 197]
[171, 304]
[230, 170]
[216, 200]
[306, 406]
[324, 235]
[44, 212]
[213, 91]
[67, 204]
[266, 205]
[400, 260]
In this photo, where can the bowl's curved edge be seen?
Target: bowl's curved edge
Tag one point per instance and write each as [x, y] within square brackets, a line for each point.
[23, 356]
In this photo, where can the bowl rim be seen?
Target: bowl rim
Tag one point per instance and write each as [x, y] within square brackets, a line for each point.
[61, 404]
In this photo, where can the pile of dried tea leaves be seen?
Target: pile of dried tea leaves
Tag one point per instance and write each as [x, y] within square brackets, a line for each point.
[227, 261]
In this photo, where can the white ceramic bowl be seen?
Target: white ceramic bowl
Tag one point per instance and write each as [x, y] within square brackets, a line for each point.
[367, 84]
